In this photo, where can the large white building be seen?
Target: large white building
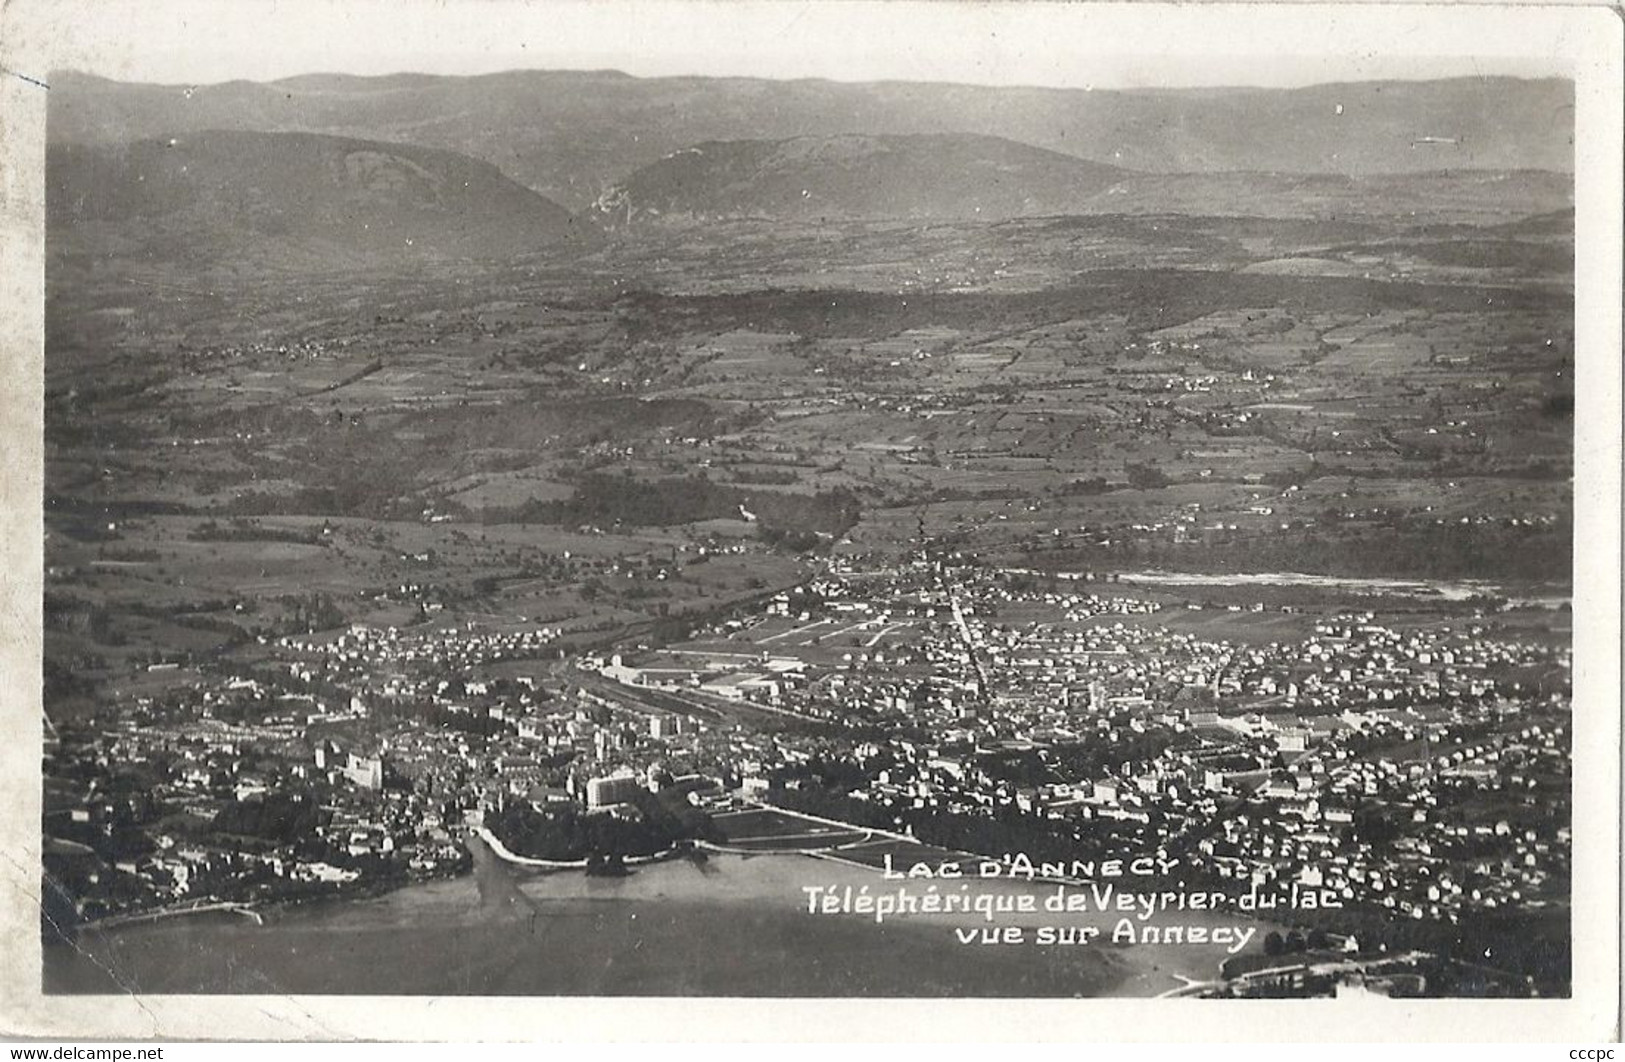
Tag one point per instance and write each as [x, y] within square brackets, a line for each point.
[615, 789]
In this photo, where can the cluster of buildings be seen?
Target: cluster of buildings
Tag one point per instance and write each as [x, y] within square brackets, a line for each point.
[1420, 772]
[148, 813]
[438, 653]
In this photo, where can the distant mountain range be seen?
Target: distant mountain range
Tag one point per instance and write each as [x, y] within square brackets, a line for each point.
[572, 135]
[948, 177]
[936, 176]
[295, 198]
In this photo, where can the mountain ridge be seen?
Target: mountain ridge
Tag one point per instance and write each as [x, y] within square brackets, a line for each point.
[971, 177]
[219, 194]
[570, 134]
[902, 176]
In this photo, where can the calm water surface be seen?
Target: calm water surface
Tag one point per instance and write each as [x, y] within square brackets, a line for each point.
[734, 926]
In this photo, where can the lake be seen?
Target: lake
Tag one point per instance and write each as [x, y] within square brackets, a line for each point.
[732, 926]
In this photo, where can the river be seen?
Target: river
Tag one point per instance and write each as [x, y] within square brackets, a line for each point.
[731, 926]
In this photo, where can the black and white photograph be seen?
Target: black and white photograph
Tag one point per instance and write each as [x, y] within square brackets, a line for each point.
[814, 501]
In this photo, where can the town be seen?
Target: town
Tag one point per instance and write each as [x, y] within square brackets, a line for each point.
[1414, 776]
